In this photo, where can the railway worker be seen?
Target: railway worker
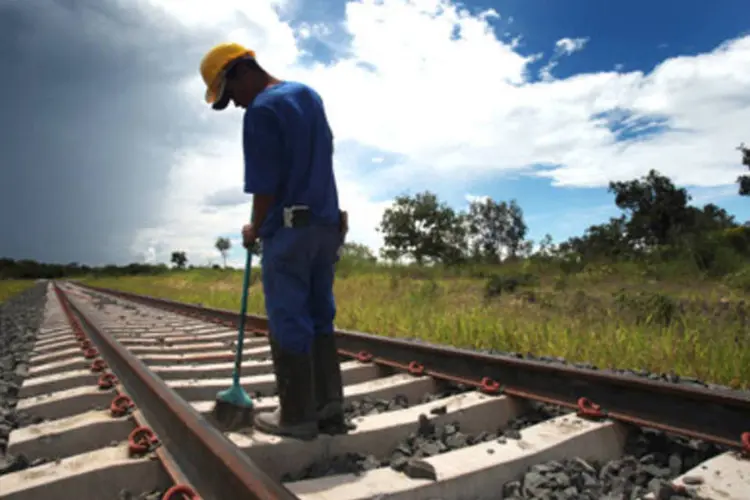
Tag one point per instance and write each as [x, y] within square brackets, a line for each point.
[288, 150]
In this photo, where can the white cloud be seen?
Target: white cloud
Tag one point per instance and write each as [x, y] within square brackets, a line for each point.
[451, 111]
[563, 47]
[317, 30]
[567, 46]
[471, 198]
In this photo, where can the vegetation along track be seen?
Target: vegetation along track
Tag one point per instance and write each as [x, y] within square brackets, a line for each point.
[119, 388]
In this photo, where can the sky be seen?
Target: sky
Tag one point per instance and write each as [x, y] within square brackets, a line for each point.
[109, 153]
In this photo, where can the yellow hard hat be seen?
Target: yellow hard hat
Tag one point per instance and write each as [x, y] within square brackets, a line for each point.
[214, 64]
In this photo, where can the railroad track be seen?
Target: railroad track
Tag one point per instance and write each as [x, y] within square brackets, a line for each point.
[120, 388]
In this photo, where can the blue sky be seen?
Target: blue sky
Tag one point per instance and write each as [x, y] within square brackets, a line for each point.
[637, 34]
[541, 101]
[622, 36]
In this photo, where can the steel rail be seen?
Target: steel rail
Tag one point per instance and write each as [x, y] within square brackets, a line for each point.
[216, 468]
[140, 439]
[720, 417]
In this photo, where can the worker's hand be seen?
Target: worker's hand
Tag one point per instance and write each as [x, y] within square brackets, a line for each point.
[249, 236]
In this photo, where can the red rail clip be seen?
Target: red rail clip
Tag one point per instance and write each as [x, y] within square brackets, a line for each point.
[680, 489]
[107, 380]
[416, 368]
[85, 344]
[120, 405]
[364, 357]
[90, 353]
[588, 409]
[141, 440]
[745, 439]
[180, 491]
[490, 386]
[98, 365]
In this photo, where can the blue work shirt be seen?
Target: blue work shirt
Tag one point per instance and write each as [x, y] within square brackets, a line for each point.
[288, 148]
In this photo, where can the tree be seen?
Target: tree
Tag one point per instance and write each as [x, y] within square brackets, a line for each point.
[658, 210]
[744, 180]
[455, 245]
[179, 259]
[517, 229]
[712, 218]
[487, 226]
[496, 228]
[357, 251]
[546, 246]
[223, 245]
[601, 241]
[423, 228]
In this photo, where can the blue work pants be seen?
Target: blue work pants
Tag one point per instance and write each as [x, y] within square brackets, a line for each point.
[298, 272]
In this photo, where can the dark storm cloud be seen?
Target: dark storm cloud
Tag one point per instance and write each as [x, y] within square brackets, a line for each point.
[90, 119]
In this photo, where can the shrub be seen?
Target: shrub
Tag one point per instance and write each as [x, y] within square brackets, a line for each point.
[648, 308]
[740, 279]
[498, 284]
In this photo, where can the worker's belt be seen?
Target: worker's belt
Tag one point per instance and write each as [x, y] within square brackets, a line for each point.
[299, 216]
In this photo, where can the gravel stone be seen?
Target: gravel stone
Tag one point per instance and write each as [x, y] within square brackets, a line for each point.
[371, 406]
[20, 319]
[419, 469]
[652, 459]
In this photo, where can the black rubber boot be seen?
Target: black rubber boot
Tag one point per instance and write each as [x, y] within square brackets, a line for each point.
[296, 416]
[329, 393]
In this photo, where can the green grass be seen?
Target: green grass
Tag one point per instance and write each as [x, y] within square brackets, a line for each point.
[614, 317]
[9, 288]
